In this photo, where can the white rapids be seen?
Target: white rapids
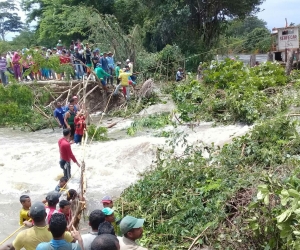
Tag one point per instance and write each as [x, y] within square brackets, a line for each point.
[29, 164]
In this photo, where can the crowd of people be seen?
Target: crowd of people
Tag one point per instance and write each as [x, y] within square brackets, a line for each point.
[83, 59]
[50, 223]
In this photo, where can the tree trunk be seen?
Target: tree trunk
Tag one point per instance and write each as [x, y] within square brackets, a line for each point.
[270, 57]
[289, 63]
[252, 60]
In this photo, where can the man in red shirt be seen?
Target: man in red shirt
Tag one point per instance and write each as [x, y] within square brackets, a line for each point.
[66, 154]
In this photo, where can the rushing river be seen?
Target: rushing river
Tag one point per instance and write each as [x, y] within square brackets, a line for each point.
[29, 163]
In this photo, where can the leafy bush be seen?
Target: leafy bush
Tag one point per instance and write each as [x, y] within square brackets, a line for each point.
[153, 121]
[184, 195]
[233, 92]
[97, 133]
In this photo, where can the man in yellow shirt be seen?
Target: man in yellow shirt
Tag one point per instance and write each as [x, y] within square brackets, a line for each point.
[24, 213]
[30, 238]
[124, 83]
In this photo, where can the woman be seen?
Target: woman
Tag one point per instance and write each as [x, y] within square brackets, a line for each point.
[16, 66]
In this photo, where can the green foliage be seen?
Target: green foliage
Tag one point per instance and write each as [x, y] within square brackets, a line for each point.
[153, 121]
[232, 92]
[97, 133]
[183, 195]
[258, 40]
[16, 107]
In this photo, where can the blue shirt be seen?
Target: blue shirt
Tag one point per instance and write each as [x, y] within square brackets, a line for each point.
[104, 63]
[111, 63]
[58, 245]
[59, 113]
[178, 76]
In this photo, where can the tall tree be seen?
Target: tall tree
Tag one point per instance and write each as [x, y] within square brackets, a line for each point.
[9, 19]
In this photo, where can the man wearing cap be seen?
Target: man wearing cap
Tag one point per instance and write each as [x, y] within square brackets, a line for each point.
[132, 230]
[107, 202]
[30, 238]
[52, 200]
[104, 66]
[111, 66]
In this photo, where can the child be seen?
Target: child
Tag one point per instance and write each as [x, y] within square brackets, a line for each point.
[24, 213]
[65, 208]
[108, 204]
[80, 126]
[62, 184]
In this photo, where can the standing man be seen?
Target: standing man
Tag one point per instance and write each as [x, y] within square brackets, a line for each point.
[66, 154]
[104, 66]
[3, 63]
[70, 119]
[130, 64]
[96, 217]
[131, 229]
[111, 66]
[59, 115]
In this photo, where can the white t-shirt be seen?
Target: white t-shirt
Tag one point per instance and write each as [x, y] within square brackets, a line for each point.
[131, 67]
[88, 239]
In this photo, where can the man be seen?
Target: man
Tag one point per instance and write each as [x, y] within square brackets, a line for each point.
[30, 238]
[57, 227]
[59, 115]
[101, 74]
[179, 75]
[65, 208]
[52, 200]
[66, 154]
[96, 217]
[109, 214]
[111, 66]
[130, 65]
[76, 105]
[105, 242]
[106, 228]
[77, 62]
[88, 60]
[124, 83]
[3, 64]
[104, 66]
[131, 229]
[69, 120]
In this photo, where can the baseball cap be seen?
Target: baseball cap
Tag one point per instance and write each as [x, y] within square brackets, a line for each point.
[107, 211]
[53, 196]
[37, 210]
[129, 222]
[127, 60]
[106, 199]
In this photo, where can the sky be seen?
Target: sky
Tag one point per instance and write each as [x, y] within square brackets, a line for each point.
[273, 12]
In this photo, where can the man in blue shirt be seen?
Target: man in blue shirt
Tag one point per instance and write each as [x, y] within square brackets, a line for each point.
[179, 75]
[59, 114]
[104, 65]
[111, 66]
[57, 227]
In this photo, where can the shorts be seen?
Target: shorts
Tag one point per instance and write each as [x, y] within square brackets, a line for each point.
[77, 138]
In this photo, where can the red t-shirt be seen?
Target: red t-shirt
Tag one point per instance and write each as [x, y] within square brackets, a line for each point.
[66, 153]
[64, 59]
[79, 125]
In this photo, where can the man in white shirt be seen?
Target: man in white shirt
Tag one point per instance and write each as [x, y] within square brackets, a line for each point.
[96, 217]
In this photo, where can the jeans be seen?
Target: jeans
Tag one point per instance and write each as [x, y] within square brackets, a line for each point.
[110, 71]
[77, 138]
[3, 77]
[79, 71]
[127, 91]
[66, 167]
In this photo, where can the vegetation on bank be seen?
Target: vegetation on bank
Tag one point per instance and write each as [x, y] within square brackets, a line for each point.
[232, 92]
[246, 194]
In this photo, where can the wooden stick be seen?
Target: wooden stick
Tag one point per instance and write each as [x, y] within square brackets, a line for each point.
[197, 238]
